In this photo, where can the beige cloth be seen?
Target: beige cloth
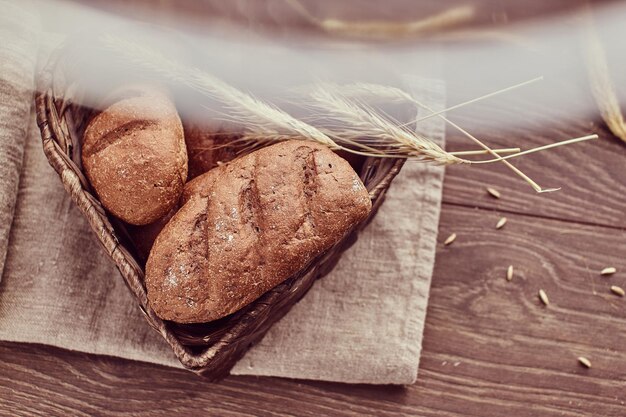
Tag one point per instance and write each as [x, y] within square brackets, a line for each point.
[361, 323]
[18, 53]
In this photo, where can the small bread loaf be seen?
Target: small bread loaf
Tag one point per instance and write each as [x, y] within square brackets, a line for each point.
[135, 157]
[247, 226]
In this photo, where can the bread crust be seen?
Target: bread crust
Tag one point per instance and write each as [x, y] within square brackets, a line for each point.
[135, 158]
[247, 226]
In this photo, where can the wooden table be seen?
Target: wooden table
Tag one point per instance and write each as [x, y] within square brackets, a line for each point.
[491, 348]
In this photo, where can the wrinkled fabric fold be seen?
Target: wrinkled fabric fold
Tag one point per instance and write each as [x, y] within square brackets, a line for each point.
[19, 44]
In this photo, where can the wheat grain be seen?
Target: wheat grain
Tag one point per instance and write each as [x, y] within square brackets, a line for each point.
[618, 290]
[383, 29]
[509, 273]
[450, 239]
[396, 94]
[263, 122]
[584, 361]
[493, 192]
[400, 94]
[602, 83]
[609, 270]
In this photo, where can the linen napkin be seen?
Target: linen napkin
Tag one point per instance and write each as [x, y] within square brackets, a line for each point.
[362, 323]
[18, 52]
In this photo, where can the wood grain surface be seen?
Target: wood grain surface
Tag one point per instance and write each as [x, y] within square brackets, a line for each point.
[491, 348]
[591, 174]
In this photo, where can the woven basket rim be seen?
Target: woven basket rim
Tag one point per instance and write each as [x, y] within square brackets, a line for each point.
[56, 140]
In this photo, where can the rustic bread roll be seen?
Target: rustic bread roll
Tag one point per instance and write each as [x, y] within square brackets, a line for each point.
[249, 225]
[135, 158]
[202, 185]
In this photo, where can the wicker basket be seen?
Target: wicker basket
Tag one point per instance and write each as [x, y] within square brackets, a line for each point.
[209, 349]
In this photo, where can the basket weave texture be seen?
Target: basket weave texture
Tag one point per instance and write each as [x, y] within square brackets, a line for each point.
[208, 349]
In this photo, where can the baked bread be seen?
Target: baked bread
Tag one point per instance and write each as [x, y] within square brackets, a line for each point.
[247, 226]
[202, 185]
[135, 157]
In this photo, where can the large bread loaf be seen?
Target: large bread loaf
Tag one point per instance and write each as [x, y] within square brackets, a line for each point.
[134, 156]
[247, 226]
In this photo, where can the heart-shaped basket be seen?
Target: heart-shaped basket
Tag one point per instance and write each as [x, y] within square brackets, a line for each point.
[209, 349]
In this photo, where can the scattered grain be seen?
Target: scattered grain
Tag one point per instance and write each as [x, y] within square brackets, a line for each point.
[509, 273]
[544, 297]
[584, 361]
[501, 223]
[618, 290]
[450, 239]
[493, 192]
[609, 270]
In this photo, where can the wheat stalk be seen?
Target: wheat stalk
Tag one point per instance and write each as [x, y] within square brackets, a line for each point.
[482, 151]
[602, 85]
[360, 129]
[396, 94]
[325, 94]
[261, 120]
[356, 124]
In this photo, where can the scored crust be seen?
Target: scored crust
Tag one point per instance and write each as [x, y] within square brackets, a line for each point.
[247, 226]
[135, 158]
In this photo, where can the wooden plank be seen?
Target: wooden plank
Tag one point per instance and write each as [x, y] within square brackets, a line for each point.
[511, 352]
[592, 174]
[592, 177]
[66, 383]
[491, 348]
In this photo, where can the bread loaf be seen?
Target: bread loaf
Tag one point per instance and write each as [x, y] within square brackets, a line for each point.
[201, 186]
[247, 226]
[135, 158]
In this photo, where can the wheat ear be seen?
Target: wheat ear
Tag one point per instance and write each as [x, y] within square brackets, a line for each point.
[602, 85]
[259, 119]
[358, 125]
[394, 93]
